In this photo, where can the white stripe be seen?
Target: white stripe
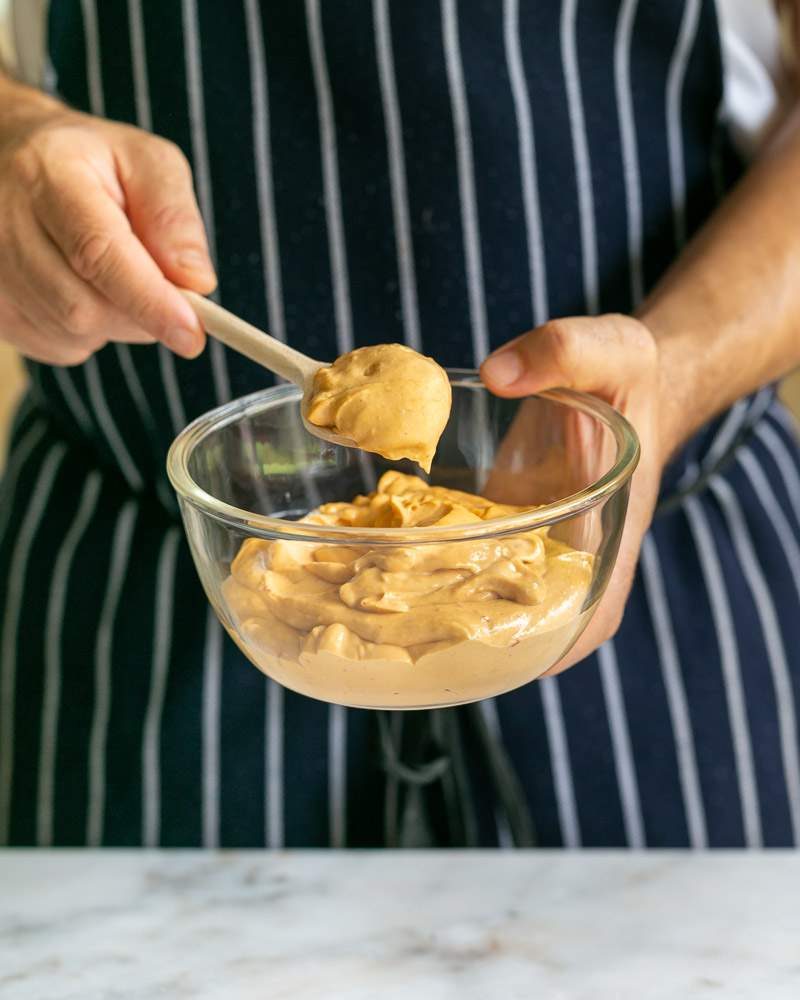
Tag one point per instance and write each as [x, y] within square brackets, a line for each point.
[19, 456]
[776, 653]
[54, 621]
[726, 433]
[583, 171]
[330, 179]
[786, 419]
[141, 86]
[621, 744]
[299, 437]
[630, 155]
[786, 464]
[135, 388]
[766, 495]
[763, 400]
[212, 693]
[248, 443]
[259, 86]
[675, 78]
[94, 384]
[102, 413]
[729, 660]
[151, 736]
[169, 379]
[17, 575]
[488, 709]
[466, 182]
[202, 170]
[449, 782]
[74, 402]
[369, 477]
[676, 693]
[118, 567]
[94, 76]
[391, 831]
[743, 413]
[560, 763]
[262, 151]
[337, 774]
[144, 118]
[274, 764]
[527, 161]
[49, 77]
[505, 840]
[397, 173]
[108, 426]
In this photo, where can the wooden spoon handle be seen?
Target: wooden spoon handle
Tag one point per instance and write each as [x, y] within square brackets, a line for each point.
[252, 342]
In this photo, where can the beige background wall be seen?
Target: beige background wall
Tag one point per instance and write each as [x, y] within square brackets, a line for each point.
[791, 392]
[11, 382]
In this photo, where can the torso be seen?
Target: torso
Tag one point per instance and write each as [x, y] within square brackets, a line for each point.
[446, 175]
[376, 192]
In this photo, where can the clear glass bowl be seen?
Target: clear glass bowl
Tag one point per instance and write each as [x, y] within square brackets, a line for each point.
[248, 471]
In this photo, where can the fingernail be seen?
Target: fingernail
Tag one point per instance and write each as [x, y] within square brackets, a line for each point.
[503, 368]
[195, 260]
[184, 342]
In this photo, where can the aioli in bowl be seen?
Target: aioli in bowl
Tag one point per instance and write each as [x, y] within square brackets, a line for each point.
[556, 465]
[350, 620]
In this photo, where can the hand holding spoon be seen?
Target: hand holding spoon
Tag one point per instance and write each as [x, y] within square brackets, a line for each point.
[386, 398]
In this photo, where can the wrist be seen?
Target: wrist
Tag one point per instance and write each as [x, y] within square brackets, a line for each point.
[24, 108]
[677, 397]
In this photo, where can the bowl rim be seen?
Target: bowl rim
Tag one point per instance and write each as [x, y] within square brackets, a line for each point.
[265, 526]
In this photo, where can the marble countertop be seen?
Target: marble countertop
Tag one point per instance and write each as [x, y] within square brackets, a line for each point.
[79, 925]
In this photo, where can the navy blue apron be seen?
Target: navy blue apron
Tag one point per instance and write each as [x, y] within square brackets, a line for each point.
[445, 174]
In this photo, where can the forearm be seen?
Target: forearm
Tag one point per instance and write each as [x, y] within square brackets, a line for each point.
[726, 316]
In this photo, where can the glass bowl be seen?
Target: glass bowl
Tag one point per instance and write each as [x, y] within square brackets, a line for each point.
[406, 617]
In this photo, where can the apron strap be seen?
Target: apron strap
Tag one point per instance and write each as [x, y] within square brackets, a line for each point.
[423, 757]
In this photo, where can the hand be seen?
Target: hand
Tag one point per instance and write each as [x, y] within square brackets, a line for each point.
[614, 357]
[99, 221]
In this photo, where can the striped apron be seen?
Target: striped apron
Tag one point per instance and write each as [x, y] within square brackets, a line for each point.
[445, 174]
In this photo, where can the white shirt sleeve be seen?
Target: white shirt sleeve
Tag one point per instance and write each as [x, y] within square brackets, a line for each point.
[756, 80]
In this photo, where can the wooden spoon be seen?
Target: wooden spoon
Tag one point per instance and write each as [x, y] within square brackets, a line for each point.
[267, 351]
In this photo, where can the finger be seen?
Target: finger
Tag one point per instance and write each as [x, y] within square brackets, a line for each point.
[35, 343]
[95, 237]
[581, 353]
[132, 335]
[157, 181]
[608, 616]
[55, 298]
[605, 621]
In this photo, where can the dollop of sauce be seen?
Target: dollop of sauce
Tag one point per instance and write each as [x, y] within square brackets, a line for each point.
[402, 603]
[387, 399]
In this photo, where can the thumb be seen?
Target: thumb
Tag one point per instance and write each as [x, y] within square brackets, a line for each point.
[163, 212]
[591, 354]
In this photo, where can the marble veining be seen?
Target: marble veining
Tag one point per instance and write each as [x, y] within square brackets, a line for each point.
[78, 925]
